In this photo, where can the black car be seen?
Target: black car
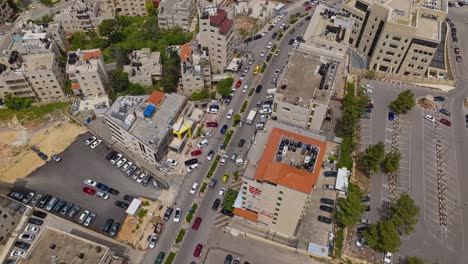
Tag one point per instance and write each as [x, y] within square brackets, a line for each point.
[365, 198]
[258, 89]
[274, 35]
[307, 18]
[228, 100]
[121, 204]
[107, 225]
[216, 204]
[291, 41]
[327, 201]
[368, 208]
[268, 58]
[114, 229]
[330, 174]
[271, 27]
[227, 213]
[35, 221]
[128, 198]
[241, 143]
[42, 155]
[326, 208]
[113, 191]
[22, 245]
[168, 213]
[228, 259]
[292, 31]
[257, 37]
[190, 162]
[439, 98]
[298, 14]
[362, 229]
[306, 3]
[247, 40]
[146, 180]
[300, 38]
[111, 155]
[59, 206]
[44, 201]
[324, 219]
[39, 214]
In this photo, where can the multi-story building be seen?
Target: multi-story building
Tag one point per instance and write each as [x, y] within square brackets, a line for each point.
[145, 66]
[11, 213]
[398, 36]
[143, 124]
[195, 68]
[83, 15]
[54, 30]
[281, 172]
[130, 7]
[87, 72]
[176, 14]
[5, 11]
[217, 34]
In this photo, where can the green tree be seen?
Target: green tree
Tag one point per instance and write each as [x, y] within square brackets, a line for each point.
[201, 95]
[404, 102]
[171, 71]
[17, 103]
[237, 119]
[351, 207]
[224, 87]
[107, 27]
[383, 236]
[404, 214]
[391, 162]
[372, 157]
[414, 260]
[119, 81]
[370, 74]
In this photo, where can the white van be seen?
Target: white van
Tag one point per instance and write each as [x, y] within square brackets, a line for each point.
[230, 113]
[259, 126]
[239, 161]
[193, 167]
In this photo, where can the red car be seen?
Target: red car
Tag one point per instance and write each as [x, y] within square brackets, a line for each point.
[195, 152]
[307, 8]
[445, 122]
[212, 124]
[238, 83]
[88, 190]
[197, 223]
[198, 250]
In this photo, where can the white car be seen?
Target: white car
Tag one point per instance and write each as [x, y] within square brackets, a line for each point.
[194, 188]
[245, 88]
[251, 61]
[269, 45]
[206, 135]
[90, 182]
[177, 215]
[90, 140]
[27, 237]
[89, 219]
[141, 177]
[429, 118]
[121, 162]
[127, 165]
[192, 167]
[262, 53]
[172, 162]
[102, 195]
[242, 77]
[17, 253]
[387, 257]
[202, 143]
[222, 161]
[32, 229]
[221, 192]
[153, 240]
[265, 111]
[96, 143]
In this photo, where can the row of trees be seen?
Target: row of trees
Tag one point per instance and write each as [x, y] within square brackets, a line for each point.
[375, 159]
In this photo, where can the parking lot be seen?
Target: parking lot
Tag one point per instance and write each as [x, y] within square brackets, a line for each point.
[65, 181]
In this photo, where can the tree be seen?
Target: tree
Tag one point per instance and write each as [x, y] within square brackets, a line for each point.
[383, 236]
[119, 81]
[224, 87]
[350, 208]
[370, 74]
[107, 27]
[373, 157]
[237, 119]
[201, 95]
[414, 260]
[170, 71]
[391, 162]
[17, 103]
[404, 214]
[404, 102]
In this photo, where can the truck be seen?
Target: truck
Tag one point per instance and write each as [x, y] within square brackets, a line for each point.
[251, 116]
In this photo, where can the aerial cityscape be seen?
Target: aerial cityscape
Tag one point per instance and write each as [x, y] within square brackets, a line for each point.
[233, 131]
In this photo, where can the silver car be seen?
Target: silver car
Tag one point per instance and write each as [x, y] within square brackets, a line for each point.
[89, 219]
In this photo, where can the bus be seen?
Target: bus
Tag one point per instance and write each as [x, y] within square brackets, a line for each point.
[257, 70]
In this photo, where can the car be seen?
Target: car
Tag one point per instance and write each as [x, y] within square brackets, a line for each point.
[90, 140]
[212, 124]
[17, 253]
[330, 174]
[274, 35]
[458, 58]
[177, 215]
[160, 258]
[193, 167]
[74, 211]
[128, 198]
[113, 191]
[327, 201]
[210, 155]
[226, 212]
[258, 89]
[292, 31]
[307, 8]
[66, 208]
[387, 257]
[457, 50]
[89, 219]
[324, 219]
[206, 135]
[95, 144]
[56, 158]
[291, 41]
[35, 221]
[202, 143]
[116, 159]
[90, 182]
[216, 204]
[58, 206]
[121, 162]
[445, 112]
[445, 122]
[306, 3]
[361, 242]
[44, 200]
[238, 84]
[307, 18]
[429, 118]
[141, 177]
[241, 143]
[168, 213]
[221, 192]
[439, 98]
[111, 155]
[228, 259]
[127, 165]
[89, 191]
[366, 198]
[114, 229]
[197, 223]
[361, 229]
[32, 229]
[102, 186]
[153, 240]
[198, 250]
[367, 208]
[39, 214]
[17, 196]
[42, 155]
[258, 36]
[27, 237]
[194, 188]
[242, 77]
[223, 129]
[269, 45]
[262, 54]
[195, 152]
[247, 40]
[107, 225]
[328, 186]
[102, 195]
[364, 221]
[121, 204]
[35, 200]
[50, 205]
[28, 198]
[326, 208]
[391, 116]
[225, 178]
[83, 216]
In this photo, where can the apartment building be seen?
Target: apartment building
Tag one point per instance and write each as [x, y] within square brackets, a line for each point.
[176, 14]
[86, 70]
[282, 170]
[83, 15]
[195, 68]
[54, 30]
[143, 124]
[398, 36]
[216, 34]
[130, 7]
[11, 213]
[5, 11]
[145, 66]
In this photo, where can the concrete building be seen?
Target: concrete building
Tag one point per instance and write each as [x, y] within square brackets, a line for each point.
[217, 34]
[11, 213]
[86, 70]
[398, 36]
[143, 124]
[176, 14]
[282, 170]
[53, 30]
[5, 11]
[145, 66]
[57, 246]
[130, 7]
[195, 69]
[83, 15]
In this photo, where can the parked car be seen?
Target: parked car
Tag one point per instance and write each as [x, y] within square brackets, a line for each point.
[36, 199]
[28, 198]
[102, 186]
[22, 245]
[160, 258]
[387, 257]
[44, 200]
[17, 196]
[56, 158]
[111, 155]
[216, 204]
[196, 223]
[66, 208]
[227, 213]
[114, 229]
[326, 208]
[223, 129]
[90, 140]
[327, 201]
[366, 198]
[153, 240]
[439, 98]
[429, 118]
[324, 219]
[102, 195]
[113, 191]
[241, 143]
[168, 213]
[445, 122]
[32, 229]
[121, 204]
[177, 215]
[445, 112]
[198, 250]
[221, 192]
[58, 207]
[107, 225]
[89, 191]
[83, 216]
[95, 144]
[74, 211]
[27, 237]
[330, 174]
[39, 214]
[195, 152]
[89, 219]
[212, 124]
[90, 182]
[115, 159]
[17, 253]
[128, 198]
[391, 116]
[328, 186]
[120, 162]
[194, 188]
[210, 155]
[35, 221]
[50, 205]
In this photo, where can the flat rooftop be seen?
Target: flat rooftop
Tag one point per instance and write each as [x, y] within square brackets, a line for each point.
[286, 167]
[83, 60]
[67, 248]
[172, 6]
[31, 63]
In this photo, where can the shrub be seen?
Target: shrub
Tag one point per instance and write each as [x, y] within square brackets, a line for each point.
[180, 236]
[244, 105]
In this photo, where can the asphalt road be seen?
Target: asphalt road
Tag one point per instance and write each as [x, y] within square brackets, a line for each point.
[184, 199]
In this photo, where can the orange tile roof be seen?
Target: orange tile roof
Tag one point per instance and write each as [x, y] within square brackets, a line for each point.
[270, 170]
[75, 86]
[246, 214]
[92, 55]
[185, 52]
[155, 98]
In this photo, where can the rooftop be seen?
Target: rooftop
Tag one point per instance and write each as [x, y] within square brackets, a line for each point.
[32, 39]
[28, 63]
[172, 6]
[220, 20]
[83, 60]
[144, 62]
[286, 156]
[192, 57]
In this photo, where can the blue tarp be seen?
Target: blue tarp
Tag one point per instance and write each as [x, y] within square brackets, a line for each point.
[149, 110]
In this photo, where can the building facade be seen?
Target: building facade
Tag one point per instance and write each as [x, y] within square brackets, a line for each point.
[145, 66]
[5, 11]
[399, 37]
[195, 69]
[176, 14]
[130, 7]
[217, 35]
[11, 213]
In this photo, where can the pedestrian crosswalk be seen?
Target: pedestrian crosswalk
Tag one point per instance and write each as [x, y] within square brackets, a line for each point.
[222, 220]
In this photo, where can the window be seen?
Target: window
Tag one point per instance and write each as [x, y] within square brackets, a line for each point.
[273, 223]
[387, 60]
[396, 38]
[278, 204]
[286, 109]
[277, 209]
[281, 192]
[393, 46]
[274, 218]
[280, 198]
